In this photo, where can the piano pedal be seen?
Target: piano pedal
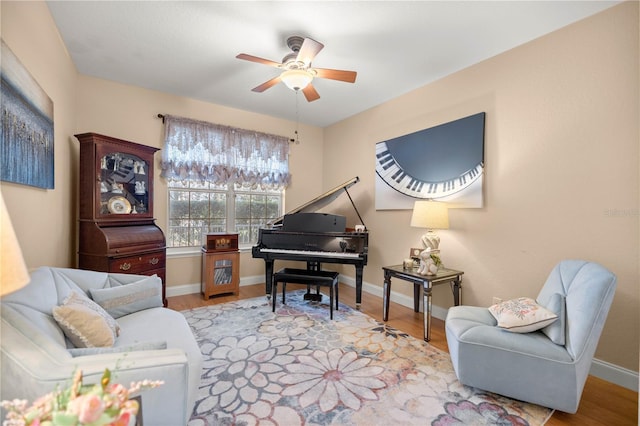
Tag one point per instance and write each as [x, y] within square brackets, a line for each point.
[313, 297]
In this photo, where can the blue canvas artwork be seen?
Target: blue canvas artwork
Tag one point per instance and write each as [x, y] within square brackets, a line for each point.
[26, 138]
[441, 163]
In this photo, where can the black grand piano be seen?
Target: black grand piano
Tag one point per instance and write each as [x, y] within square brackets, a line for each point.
[307, 236]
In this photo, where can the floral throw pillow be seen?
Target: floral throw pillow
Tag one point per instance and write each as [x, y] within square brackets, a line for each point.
[522, 315]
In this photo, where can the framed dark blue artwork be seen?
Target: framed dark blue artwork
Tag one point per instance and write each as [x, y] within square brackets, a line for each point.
[26, 136]
[442, 163]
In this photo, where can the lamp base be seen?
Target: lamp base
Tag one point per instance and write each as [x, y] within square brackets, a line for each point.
[430, 240]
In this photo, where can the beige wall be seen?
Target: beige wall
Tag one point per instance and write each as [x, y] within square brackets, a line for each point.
[561, 151]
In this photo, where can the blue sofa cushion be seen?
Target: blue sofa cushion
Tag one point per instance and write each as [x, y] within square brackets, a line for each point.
[120, 300]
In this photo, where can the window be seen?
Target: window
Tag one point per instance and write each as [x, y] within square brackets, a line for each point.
[252, 211]
[196, 208]
[221, 179]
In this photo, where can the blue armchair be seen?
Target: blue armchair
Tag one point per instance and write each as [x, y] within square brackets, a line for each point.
[547, 367]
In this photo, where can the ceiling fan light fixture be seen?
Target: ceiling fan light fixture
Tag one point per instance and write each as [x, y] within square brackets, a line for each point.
[296, 79]
[296, 71]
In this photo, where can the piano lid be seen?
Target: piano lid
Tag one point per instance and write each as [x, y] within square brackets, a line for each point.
[321, 201]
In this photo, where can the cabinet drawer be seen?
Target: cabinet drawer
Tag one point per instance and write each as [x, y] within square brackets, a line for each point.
[137, 263]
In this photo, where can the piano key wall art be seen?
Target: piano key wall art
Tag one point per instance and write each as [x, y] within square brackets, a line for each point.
[443, 163]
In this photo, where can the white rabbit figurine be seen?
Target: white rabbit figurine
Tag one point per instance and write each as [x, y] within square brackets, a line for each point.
[429, 261]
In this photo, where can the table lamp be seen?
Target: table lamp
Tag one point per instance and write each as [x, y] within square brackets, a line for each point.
[430, 215]
[13, 271]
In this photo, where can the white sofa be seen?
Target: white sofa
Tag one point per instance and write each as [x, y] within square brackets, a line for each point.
[36, 355]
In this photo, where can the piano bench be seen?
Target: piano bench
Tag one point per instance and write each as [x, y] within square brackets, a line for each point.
[308, 277]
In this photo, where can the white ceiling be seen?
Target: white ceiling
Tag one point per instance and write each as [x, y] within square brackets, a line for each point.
[189, 48]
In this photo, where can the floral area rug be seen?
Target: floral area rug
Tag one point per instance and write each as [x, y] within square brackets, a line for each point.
[298, 367]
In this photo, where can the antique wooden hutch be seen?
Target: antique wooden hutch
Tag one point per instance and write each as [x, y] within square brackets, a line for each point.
[117, 228]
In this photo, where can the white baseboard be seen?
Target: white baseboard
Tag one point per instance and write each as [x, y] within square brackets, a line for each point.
[181, 290]
[614, 374]
[601, 369]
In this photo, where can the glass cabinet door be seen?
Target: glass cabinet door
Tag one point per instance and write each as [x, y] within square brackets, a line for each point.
[124, 184]
[222, 272]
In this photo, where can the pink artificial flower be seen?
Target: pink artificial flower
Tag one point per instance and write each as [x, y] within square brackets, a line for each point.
[118, 392]
[123, 420]
[88, 408]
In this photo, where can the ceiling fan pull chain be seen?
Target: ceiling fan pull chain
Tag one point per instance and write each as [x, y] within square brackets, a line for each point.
[297, 118]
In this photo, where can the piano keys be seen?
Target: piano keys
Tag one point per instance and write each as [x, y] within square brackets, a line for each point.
[345, 255]
[315, 238]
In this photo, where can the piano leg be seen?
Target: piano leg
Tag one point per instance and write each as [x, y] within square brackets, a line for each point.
[268, 276]
[359, 270]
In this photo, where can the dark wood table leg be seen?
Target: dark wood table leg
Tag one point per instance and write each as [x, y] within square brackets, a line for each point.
[386, 293]
[426, 294]
[456, 287]
[416, 297]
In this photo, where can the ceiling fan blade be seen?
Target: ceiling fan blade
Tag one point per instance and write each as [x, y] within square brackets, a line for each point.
[310, 93]
[267, 84]
[252, 58]
[340, 75]
[309, 49]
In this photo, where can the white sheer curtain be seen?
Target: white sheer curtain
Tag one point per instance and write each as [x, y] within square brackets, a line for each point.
[207, 152]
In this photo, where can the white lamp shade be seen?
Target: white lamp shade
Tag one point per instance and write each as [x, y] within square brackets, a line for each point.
[430, 215]
[296, 79]
[13, 271]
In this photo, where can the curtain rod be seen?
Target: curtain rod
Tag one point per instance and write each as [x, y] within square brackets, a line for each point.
[296, 140]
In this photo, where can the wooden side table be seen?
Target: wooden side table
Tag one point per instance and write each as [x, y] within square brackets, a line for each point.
[451, 276]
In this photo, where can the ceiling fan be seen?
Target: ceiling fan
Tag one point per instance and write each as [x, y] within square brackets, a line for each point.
[297, 71]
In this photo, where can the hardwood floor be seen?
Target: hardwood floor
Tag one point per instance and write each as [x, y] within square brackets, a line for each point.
[602, 403]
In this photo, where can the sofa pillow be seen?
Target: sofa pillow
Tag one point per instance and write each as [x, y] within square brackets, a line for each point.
[85, 323]
[128, 298]
[141, 346]
[555, 331]
[522, 315]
